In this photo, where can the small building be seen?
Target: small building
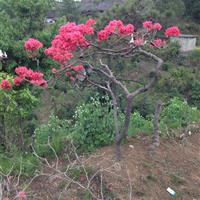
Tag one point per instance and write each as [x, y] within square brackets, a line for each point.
[187, 42]
[51, 17]
[95, 7]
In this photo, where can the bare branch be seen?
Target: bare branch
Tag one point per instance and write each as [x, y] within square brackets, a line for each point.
[112, 78]
[98, 85]
[57, 159]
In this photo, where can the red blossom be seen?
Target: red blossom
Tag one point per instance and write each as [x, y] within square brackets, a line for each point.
[58, 54]
[90, 22]
[158, 43]
[68, 74]
[21, 71]
[71, 36]
[148, 25]
[103, 35]
[172, 31]
[18, 80]
[41, 83]
[126, 30]
[54, 70]
[5, 84]
[34, 75]
[22, 195]
[72, 78]
[115, 26]
[32, 44]
[139, 42]
[36, 78]
[78, 68]
[157, 26]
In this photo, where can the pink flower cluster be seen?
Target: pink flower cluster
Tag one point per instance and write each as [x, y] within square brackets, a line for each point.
[138, 41]
[172, 31]
[70, 37]
[158, 43]
[22, 195]
[25, 74]
[78, 68]
[115, 26]
[5, 85]
[32, 44]
[149, 25]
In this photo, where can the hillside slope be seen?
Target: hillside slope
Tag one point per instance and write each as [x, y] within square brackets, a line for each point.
[141, 175]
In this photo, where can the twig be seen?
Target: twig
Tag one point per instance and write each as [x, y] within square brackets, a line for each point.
[130, 184]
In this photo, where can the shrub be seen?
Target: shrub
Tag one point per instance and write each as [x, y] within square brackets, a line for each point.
[169, 52]
[194, 57]
[93, 124]
[139, 124]
[178, 114]
[181, 82]
[56, 131]
[26, 164]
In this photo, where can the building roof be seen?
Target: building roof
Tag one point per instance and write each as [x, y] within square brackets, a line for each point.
[97, 5]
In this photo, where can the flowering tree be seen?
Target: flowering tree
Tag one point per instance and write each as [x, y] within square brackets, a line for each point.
[76, 46]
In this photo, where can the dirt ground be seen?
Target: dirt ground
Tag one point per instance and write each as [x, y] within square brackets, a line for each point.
[175, 164]
[141, 174]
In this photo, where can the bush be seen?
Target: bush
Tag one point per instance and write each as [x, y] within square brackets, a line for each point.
[182, 82]
[194, 57]
[93, 124]
[139, 124]
[26, 164]
[178, 114]
[56, 131]
[169, 52]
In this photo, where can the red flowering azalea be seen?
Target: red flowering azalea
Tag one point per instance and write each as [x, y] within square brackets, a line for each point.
[36, 78]
[5, 84]
[18, 80]
[54, 70]
[158, 43]
[58, 54]
[148, 25]
[72, 78]
[90, 22]
[115, 26]
[70, 37]
[126, 30]
[21, 195]
[68, 74]
[78, 68]
[41, 83]
[172, 31]
[139, 42]
[32, 44]
[21, 71]
[103, 35]
[157, 26]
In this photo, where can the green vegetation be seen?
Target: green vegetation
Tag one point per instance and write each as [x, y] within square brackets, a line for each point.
[55, 133]
[176, 114]
[93, 124]
[81, 115]
[24, 163]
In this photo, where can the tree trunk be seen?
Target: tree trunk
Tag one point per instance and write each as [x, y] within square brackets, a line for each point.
[21, 136]
[156, 124]
[2, 131]
[118, 135]
[128, 112]
[118, 153]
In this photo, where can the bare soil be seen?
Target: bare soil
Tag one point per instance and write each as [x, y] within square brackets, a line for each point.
[142, 174]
